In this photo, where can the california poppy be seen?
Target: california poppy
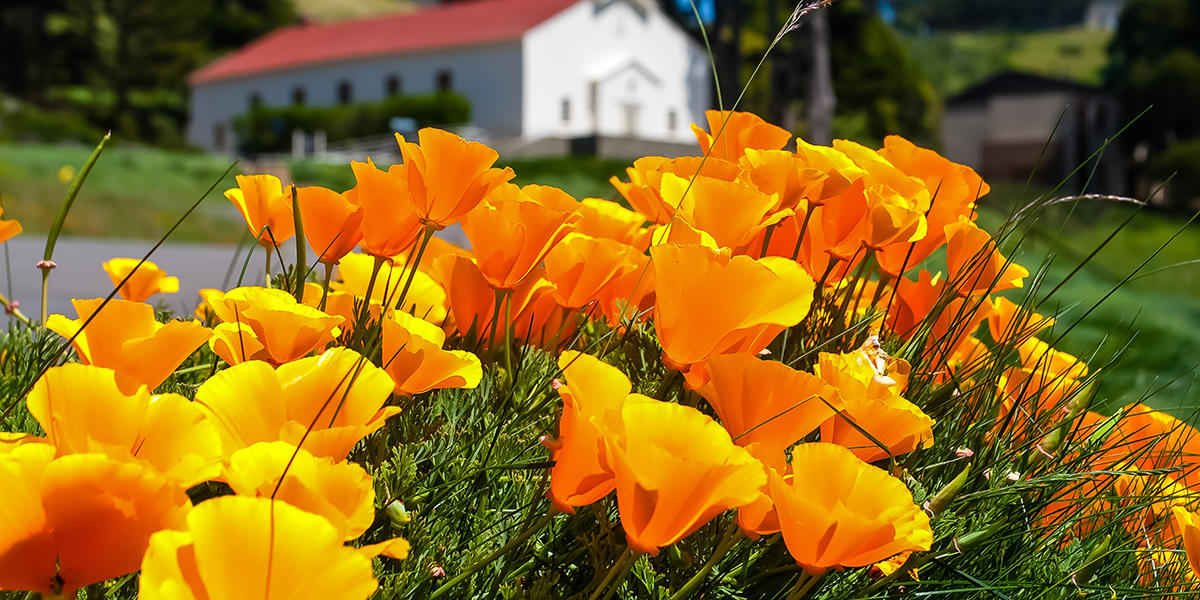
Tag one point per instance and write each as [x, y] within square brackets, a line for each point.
[79, 519]
[1009, 321]
[279, 552]
[414, 358]
[732, 213]
[285, 329]
[425, 298]
[676, 469]
[126, 338]
[642, 191]
[390, 223]
[447, 176]
[9, 228]
[609, 220]
[1189, 524]
[709, 302]
[82, 411]
[730, 133]
[339, 491]
[145, 282]
[581, 267]
[266, 206]
[332, 223]
[511, 234]
[767, 401]
[976, 265]
[592, 396]
[838, 511]
[324, 404]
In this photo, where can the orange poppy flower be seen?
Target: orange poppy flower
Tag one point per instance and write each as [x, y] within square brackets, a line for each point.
[542, 322]
[1034, 401]
[795, 182]
[332, 223]
[473, 301]
[126, 338]
[922, 303]
[266, 206]
[82, 410]
[1036, 354]
[1011, 321]
[1189, 524]
[872, 401]
[414, 358]
[511, 234]
[592, 396]
[339, 491]
[337, 303]
[878, 171]
[710, 302]
[285, 329]
[328, 402]
[425, 298]
[79, 519]
[838, 511]
[609, 220]
[9, 228]
[630, 294]
[582, 267]
[839, 169]
[390, 223]
[732, 213]
[676, 469]
[447, 176]
[732, 132]
[145, 282]
[766, 401]
[952, 188]
[1154, 439]
[976, 265]
[645, 181]
[279, 552]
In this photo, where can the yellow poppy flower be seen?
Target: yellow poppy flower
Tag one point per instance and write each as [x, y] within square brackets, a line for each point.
[414, 358]
[126, 338]
[82, 410]
[145, 282]
[279, 552]
[286, 329]
[325, 404]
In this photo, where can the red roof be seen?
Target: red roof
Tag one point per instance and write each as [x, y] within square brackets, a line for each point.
[447, 25]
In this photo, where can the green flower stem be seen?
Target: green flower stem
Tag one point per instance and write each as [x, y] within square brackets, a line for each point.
[731, 537]
[47, 262]
[416, 262]
[301, 259]
[325, 284]
[475, 568]
[615, 575]
[508, 327]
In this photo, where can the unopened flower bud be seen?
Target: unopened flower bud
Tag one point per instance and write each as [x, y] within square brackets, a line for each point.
[397, 512]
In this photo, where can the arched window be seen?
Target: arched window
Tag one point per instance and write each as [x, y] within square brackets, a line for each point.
[391, 86]
[445, 80]
[566, 110]
[345, 93]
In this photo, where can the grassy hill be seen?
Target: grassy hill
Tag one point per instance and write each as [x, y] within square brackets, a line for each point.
[957, 59]
[341, 10]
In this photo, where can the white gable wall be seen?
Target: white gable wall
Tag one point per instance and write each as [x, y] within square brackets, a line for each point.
[486, 74]
[621, 65]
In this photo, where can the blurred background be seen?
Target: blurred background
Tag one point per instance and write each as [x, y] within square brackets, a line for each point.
[1031, 93]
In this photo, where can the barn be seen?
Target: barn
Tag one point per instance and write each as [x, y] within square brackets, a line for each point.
[540, 74]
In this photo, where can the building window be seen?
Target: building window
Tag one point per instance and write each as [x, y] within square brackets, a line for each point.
[671, 118]
[345, 93]
[391, 86]
[255, 100]
[298, 96]
[566, 110]
[219, 136]
[445, 80]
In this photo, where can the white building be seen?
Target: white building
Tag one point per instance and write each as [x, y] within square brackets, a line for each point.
[533, 70]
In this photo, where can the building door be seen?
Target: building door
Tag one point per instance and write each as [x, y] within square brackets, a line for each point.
[631, 119]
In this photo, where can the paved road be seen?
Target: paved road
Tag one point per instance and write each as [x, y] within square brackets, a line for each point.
[79, 274]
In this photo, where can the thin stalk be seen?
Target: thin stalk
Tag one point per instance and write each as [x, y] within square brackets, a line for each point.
[13, 310]
[804, 586]
[619, 568]
[505, 549]
[268, 285]
[366, 312]
[301, 259]
[491, 345]
[416, 262]
[325, 284]
[47, 262]
[508, 332]
[731, 537]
